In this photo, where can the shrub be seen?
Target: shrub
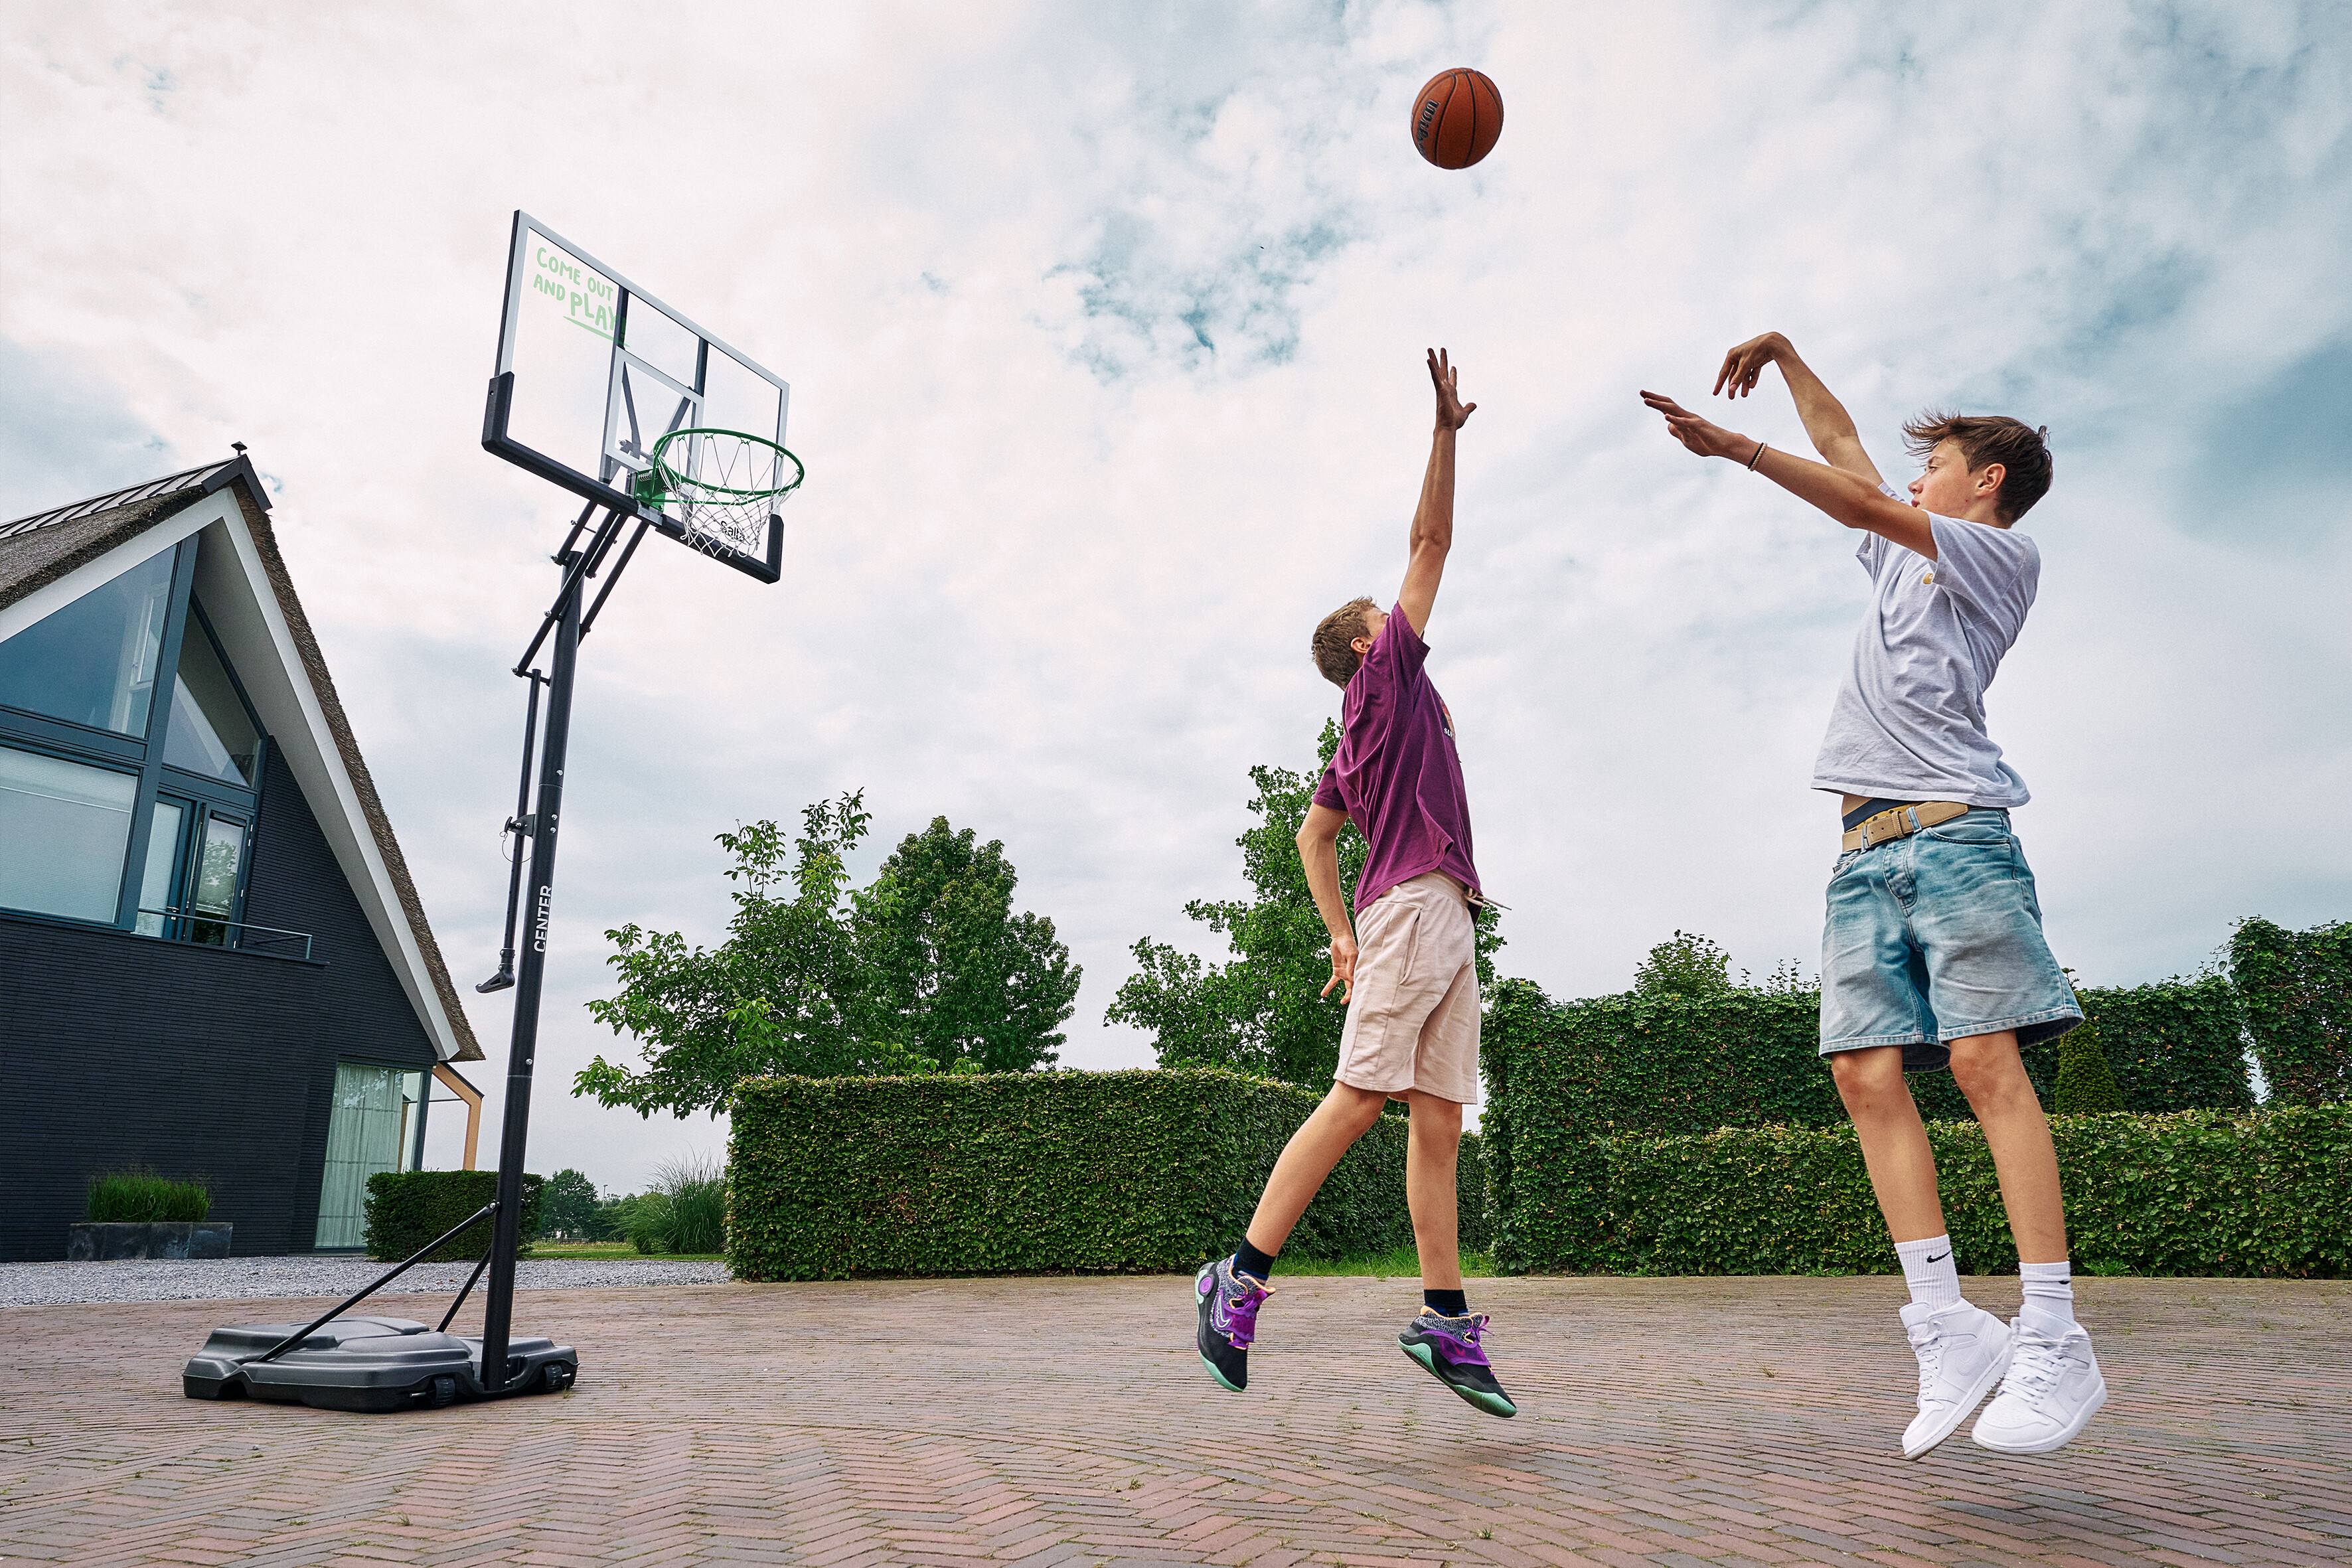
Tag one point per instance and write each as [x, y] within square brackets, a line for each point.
[2191, 1193]
[2297, 990]
[405, 1209]
[141, 1197]
[2086, 1084]
[2177, 1045]
[685, 1210]
[1011, 1172]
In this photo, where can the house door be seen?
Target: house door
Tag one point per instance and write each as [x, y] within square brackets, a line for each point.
[378, 1124]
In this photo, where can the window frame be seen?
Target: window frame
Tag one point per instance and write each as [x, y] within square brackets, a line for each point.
[143, 756]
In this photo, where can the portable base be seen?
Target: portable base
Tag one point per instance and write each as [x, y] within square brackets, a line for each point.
[369, 1364]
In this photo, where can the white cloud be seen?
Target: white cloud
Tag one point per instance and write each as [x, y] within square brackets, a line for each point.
[1087, 463]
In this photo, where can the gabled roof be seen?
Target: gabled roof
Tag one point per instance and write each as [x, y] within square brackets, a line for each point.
[50, 558]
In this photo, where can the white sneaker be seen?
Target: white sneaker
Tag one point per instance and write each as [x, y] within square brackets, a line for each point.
[1962, 1351]
[2052, 1389]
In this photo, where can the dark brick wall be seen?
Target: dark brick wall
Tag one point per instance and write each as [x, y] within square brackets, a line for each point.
[195, 1061]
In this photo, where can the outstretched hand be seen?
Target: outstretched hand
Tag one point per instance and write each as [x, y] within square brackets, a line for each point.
[1707, 440]
[1451, 412]
[1744, 362]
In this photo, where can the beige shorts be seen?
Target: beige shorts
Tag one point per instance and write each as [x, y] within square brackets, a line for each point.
[1413, 1023]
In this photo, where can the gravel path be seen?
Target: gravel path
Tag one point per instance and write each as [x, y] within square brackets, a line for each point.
[247, 1279]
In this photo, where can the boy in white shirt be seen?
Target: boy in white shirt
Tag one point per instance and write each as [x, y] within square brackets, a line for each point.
[1932, 955]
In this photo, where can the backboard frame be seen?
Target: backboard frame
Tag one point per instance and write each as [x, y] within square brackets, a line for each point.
[611, 487]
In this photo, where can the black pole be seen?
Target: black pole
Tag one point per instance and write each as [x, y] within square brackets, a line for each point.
[519, 826]
[498, 1311]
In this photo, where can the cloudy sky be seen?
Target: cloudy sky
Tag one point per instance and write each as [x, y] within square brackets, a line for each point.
[1104, 324]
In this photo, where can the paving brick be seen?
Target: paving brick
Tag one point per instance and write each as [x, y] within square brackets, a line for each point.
[707, 1430]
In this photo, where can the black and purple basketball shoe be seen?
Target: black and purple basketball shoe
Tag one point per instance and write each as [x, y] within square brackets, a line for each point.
[1229, 1304]
[1449, 1351]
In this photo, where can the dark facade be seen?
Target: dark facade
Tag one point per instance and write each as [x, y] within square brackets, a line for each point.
[243, 1043]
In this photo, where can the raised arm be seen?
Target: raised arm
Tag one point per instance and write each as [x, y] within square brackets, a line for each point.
[1851, 498]
[1827, 423]
[1432, 520]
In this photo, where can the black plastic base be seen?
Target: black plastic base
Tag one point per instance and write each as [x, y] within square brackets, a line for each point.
[370, 1364]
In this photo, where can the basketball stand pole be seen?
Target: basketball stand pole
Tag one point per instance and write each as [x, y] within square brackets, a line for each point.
[564, 618]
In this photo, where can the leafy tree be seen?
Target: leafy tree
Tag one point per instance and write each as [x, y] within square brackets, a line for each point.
[567, 1204]
[1261, 1011]
[955, 975]
[1686, 964]
[925, 970]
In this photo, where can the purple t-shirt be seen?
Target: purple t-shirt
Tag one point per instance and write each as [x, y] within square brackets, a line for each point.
[1396, 771]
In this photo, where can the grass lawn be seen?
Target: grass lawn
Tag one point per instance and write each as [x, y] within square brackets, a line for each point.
[1398, 1263]
[612, 1250]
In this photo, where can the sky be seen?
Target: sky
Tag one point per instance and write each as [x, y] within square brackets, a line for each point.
[1105, 326]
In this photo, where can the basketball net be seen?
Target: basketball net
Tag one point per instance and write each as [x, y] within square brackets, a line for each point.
[723, 488]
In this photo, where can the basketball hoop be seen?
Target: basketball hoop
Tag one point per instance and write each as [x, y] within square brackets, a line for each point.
[720, 487]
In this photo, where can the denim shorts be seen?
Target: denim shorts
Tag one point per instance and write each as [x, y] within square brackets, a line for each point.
[1936, 937]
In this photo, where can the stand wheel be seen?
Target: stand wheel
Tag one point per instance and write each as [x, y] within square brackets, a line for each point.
[445, 1393]
[553, 1377]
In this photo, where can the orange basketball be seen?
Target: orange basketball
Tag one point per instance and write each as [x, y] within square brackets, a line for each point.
[1456, 119]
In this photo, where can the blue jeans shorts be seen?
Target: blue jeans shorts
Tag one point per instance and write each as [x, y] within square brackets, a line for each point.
[1936, 937]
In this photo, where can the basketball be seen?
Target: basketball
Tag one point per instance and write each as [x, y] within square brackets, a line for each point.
[1456, 119]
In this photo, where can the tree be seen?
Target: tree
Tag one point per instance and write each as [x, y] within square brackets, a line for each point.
[1261, 1011]
[2086, 1081]
[1686, 964]
[924, 969]
[567, 1204]
[956, 977]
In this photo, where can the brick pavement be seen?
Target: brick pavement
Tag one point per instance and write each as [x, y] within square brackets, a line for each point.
[1044, 1422]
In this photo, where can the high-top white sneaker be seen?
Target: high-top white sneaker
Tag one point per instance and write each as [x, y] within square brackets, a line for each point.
[1962, 1351]
[2052, 1389]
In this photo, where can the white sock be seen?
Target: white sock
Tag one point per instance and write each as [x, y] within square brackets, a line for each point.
[1928, 1269]
[2049, 1290]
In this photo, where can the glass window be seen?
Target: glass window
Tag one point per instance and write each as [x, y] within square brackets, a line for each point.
[376, 1116]
[64, 828]
[163, 859]
[211, 732]
[212, 882]
[93, 662]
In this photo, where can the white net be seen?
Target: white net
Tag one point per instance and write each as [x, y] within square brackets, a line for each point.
[722, 488]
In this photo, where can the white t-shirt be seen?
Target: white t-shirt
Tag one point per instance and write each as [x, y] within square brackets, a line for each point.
[1909, 719]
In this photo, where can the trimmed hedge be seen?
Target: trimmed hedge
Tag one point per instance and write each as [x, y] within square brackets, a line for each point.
[2297, 989]
[2206, 1193]
[1024, 1172]
[2179, 1045]
[405, 1209]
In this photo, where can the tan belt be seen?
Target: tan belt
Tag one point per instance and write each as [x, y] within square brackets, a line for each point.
[1902, 823]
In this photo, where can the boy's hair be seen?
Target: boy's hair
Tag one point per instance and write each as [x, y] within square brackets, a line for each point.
[1333, 656]
[2022, 451]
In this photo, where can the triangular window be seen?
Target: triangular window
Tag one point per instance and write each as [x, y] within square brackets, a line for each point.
[93, 662]
[211, 733]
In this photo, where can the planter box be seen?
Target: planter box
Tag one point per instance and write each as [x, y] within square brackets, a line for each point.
[90, 1242]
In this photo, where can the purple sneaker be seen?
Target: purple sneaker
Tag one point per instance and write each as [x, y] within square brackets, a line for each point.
[1229, 1304]
[1448, 1349]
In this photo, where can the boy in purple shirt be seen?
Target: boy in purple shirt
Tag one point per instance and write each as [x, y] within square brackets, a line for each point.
[1407, 969]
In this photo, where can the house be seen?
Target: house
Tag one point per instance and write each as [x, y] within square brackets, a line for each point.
[213, 961]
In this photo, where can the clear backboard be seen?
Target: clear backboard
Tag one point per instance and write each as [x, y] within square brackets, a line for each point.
[592, 371]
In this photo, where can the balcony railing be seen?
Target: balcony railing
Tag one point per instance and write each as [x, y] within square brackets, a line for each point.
[201, 930]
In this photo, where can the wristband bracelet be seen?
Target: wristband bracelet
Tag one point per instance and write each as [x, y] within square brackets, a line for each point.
[1757, 459]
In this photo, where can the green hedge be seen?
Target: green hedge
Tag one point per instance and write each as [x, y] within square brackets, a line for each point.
[405, 1209]
[1017, 1172]
[2179, 1045]
[2210, 1192]
[2298, 990]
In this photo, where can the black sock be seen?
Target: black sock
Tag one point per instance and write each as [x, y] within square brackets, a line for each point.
[1248, 1260]
[1451, 1304]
